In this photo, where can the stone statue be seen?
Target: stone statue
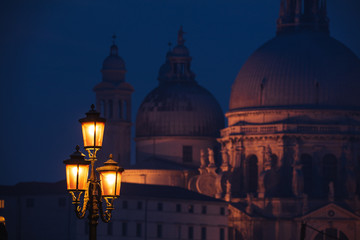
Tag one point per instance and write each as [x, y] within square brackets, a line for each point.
[267, 158]
[225, 160]
[211, 157]
[225, 157]
[297, 180]
[228, 191]
[181, 39]
[202, 159]
[228, 186]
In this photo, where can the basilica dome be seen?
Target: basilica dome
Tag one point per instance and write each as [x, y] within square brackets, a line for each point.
[179, 109]
[298, 69]
[179, 106]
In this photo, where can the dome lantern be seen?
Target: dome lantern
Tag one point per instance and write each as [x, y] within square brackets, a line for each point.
[114, 48]
[297, 15]
[177, 67]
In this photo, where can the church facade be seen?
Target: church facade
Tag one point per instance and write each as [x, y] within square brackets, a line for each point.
[286, 166]
[289, 156]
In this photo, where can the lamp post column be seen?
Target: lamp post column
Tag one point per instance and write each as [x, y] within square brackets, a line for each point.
[87, 194]
[93, 213]
[93, 199]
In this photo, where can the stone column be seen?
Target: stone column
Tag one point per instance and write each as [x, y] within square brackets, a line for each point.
[225, 159]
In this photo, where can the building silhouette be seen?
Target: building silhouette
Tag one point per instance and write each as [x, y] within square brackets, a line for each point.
[113, 98]
[288, 162]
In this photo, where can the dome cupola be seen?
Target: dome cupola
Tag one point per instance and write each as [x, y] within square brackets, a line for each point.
[113, 68]
[178, 62]
[302, 14]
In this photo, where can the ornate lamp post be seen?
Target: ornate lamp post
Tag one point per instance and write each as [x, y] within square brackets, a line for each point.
[87, 193]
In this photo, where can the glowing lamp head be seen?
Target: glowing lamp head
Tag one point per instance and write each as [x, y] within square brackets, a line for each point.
[110, 178]
[77, 170]
[93, 127]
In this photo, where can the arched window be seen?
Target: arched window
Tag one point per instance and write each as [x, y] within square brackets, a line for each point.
[110, 108]
[329, 170]
[251, 173]
[274, 161]
[330, 234]
[120, 109]
[307, 170]
[181, 68]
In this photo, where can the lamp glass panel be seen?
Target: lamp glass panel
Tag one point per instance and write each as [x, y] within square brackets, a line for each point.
[71, 176]
[118, 184]
[76, 176]
[83, 177]
[88, 129]
[110, 183]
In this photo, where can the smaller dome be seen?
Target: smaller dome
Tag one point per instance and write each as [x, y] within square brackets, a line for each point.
[179, 109]
[114, 61]
[113, 69]
[181, 50]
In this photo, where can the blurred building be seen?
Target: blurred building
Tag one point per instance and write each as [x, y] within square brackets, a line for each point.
[288, 161]
[290, 153]
[44, 211]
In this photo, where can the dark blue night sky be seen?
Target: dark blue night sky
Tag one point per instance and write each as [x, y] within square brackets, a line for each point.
[51, 53]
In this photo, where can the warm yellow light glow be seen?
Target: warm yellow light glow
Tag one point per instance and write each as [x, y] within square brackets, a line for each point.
[110, 179]
[88, 129]
[110, 183]
[76, 176]
[74, 171]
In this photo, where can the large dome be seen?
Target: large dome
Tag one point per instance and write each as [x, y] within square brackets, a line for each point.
[179, 109]
[304, 69]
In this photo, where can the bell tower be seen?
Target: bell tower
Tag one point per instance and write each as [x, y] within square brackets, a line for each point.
[113, 100]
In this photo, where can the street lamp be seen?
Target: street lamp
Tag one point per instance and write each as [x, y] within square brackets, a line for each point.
[92, 189]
